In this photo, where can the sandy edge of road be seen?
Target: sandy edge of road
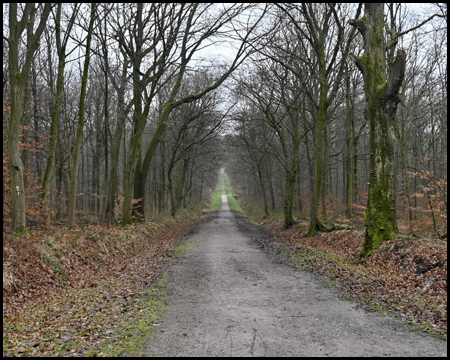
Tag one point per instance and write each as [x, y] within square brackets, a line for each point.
[233, 294]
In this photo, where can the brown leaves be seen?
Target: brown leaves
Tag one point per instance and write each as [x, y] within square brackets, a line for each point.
[394, 276]
[106, 272]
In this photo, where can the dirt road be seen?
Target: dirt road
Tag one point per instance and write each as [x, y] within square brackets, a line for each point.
[227, 297]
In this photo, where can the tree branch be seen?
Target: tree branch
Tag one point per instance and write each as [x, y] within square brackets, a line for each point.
[398, 73]
[395, 36]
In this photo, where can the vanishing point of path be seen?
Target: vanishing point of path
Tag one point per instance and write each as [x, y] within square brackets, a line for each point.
[226, 297]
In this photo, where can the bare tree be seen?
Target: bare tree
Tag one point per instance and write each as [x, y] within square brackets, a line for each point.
[18, 79]
[79, 135]
[61, 45]
[189, 30]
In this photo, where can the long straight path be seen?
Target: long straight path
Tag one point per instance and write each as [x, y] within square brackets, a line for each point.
[226, 297]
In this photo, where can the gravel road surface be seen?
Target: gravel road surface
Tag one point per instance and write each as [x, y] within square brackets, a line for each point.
[227, 297]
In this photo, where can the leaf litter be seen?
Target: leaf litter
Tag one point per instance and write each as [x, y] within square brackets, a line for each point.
[405, 277]
[82, 292]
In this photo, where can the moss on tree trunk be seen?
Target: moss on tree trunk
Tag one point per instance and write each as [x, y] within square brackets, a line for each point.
[382, 99]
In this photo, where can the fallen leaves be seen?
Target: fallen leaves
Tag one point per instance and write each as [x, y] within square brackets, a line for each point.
[105, 296]
[407, 275]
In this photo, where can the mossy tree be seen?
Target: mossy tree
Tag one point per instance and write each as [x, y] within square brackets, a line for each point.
[382, 99]
[18, 79]
[382, 83]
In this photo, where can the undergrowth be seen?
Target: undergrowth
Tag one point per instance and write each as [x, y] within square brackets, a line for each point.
[86, 291]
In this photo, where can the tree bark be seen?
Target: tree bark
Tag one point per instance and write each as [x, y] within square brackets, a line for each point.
[56, 111]
[76, 156]
[17, 81]
[382, 100]
[314, 222]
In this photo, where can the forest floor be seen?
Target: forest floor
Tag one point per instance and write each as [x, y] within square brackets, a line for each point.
[234, 294]
[406, 277]
[87, 291]
[95, 291]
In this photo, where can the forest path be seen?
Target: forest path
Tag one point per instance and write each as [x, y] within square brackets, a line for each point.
[227, 297]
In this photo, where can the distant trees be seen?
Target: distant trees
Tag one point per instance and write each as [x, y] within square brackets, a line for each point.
[189, 129]
[330, 112]
[307, 60]
[326, 58]
[178, 32]
[276, 100]
[80, 125]
[61, 45]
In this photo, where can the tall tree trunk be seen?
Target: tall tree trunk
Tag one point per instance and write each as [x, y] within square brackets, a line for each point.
[17, 81]
[180, 194]
[310, 163]
[314, 222]
[105, 142]
[355, 166]
[36, 118]
[26, 115]
[382, 100]
[132, 170]
[139, 191]
[263, 187]
[56, 110]
[56, 115]
[79, 135]
[350, 150]
[272, 194]
[289, 197]
[115, 144]
[18, 216]
[161, 196]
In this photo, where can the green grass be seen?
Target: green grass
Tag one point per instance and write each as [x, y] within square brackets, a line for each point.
[216, 204]
[233, 203]
[184, 246]
[230, 195]
[139, 329]
[228, 189]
